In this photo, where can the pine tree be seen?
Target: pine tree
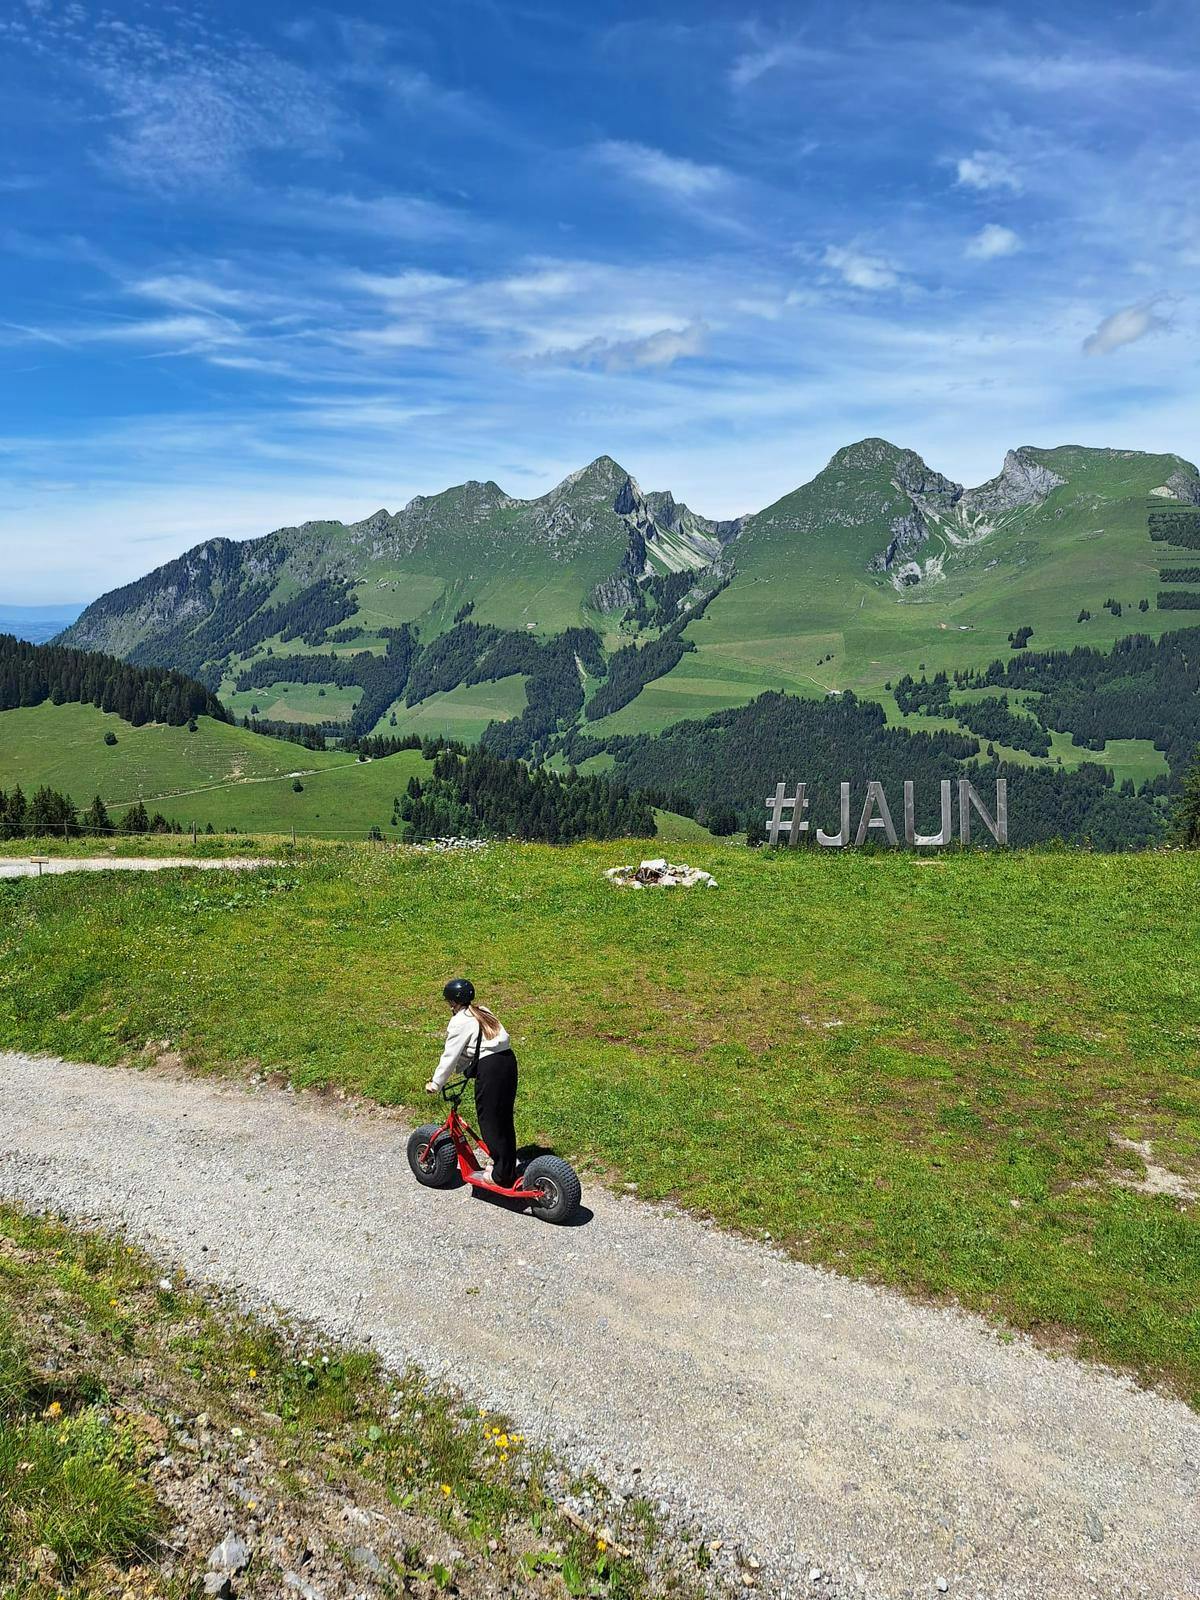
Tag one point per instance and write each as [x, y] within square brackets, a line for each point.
[135, 819]
[1186, 815]
[95, 819]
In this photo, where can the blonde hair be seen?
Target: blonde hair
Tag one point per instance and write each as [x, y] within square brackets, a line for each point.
[487, 1020]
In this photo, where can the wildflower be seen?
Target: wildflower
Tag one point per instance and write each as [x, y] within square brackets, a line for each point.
[253, 1374]
[602, 1545]
[54, 1409]
[502, 1441]
[112, 1302]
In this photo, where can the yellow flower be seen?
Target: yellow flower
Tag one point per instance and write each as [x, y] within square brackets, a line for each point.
[602, 1545]
[504, 1455]
[54, 1409]
[112, 1302]
[253, 1373]
[445, 1488]
[502, 1441]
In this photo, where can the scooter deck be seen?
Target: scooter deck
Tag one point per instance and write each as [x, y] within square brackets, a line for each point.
[517, 1192]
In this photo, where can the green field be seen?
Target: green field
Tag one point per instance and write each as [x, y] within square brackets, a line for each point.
[912, 1070]
[461, 713]
[294, 702]
[220, 774]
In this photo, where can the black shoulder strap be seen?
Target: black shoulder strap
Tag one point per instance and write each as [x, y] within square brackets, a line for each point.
[474, 1068]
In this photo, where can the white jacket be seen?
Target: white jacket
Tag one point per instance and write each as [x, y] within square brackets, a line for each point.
[461, 1032]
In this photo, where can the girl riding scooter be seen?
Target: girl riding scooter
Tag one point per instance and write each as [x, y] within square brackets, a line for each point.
[477, 1044]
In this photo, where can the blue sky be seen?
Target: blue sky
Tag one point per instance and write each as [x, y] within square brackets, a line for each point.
[264, 263]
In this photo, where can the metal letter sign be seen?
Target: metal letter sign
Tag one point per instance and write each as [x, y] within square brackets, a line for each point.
[788, 824]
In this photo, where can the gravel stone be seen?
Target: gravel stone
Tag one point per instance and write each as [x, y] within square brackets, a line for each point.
[231, 1555]
[749, 1388]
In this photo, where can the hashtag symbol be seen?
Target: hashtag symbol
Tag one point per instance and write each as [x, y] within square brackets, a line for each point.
[792, 825]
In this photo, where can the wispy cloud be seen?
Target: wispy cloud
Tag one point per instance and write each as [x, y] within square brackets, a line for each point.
[660, 349]
[395, 216]
[1091, 71]
[196, 123]
[1123, 327]
[655, 169]
[987, 169]
[991, 242]
[756, 63]
[859, 270]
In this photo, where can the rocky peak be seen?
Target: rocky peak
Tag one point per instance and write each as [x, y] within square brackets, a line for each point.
[1022, 481]
[599, 477]
[1184, 484]
[919, 480]
[868, 455]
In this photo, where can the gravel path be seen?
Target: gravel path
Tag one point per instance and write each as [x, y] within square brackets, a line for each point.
[819, 1422]
[32, 867]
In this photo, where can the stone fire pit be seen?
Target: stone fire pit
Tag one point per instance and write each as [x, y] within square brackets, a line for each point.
[660, 874]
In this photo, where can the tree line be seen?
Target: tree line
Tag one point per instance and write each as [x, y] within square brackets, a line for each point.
[48, 812]
[31, 674]
[473, 792]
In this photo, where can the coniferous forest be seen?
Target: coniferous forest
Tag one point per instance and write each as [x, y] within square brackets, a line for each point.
[737, 757]
[33, 673]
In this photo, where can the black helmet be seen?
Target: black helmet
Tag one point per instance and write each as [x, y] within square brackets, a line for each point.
[459, 991]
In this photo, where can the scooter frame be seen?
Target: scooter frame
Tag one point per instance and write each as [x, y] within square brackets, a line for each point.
[467, 1142]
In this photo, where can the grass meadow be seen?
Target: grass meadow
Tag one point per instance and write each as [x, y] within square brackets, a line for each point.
[911, 1069]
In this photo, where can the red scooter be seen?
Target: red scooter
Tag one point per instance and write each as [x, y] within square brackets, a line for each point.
[549, 1186]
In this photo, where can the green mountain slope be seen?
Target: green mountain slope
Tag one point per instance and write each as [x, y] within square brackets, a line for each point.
[540, 565]
[877, 568]
[880, 566]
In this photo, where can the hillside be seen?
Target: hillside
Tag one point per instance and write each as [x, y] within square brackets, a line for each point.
[881, 567]
[474, 608]
[223, 775]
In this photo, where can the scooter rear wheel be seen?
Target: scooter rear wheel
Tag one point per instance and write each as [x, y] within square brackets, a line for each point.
[433, 1164]
[560, 1186]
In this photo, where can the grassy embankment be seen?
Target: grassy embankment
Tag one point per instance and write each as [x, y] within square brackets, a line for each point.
[140, 1421]
[913, 1070]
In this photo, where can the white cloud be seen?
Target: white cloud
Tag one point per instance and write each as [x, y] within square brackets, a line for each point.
[402, 286]
[660, 349]
[987, 169]
[991, 242]
[403, 216]
[182, 289]
[1123, 327]
[861, 271]
[673, 175]
[195, 126]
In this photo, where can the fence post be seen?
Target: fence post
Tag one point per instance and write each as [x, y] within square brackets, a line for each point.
[193, 835]
[293, 835]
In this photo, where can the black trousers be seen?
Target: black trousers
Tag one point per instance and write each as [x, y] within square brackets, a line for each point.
[495, 1098]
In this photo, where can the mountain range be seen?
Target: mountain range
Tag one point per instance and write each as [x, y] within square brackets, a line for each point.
[878, 567]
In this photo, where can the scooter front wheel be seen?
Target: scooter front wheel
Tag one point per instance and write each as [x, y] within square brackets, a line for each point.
[559, 1183]
[434, 1161]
